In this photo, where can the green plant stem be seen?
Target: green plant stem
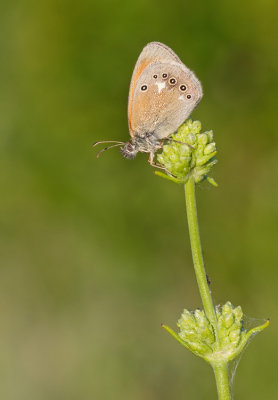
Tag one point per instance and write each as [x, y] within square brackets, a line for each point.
[197, 253]
[222, 381]
[220, 369]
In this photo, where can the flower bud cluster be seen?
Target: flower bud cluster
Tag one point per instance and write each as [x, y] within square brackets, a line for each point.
[196, 331]
[189, 153]
[230, 325]
[197, 334]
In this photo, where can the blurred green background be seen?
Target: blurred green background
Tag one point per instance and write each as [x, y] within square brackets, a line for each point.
[95, 252]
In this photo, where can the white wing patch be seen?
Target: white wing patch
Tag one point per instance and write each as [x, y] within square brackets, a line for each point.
[181, 97]
[160, 86]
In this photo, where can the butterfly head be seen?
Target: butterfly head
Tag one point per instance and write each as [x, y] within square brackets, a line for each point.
[129, 150]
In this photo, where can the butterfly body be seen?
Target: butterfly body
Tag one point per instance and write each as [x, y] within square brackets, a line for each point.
[146, 143]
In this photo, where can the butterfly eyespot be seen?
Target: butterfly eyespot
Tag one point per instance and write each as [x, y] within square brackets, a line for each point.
[164, 76]
[155, 76]
[172, 81]
[183, 88]
[144, 88]
[189, 96]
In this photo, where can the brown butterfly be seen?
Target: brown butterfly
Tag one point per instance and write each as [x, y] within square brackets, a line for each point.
[163, 92]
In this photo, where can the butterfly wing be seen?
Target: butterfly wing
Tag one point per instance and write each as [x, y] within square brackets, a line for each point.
[154, 52]
[163, 96]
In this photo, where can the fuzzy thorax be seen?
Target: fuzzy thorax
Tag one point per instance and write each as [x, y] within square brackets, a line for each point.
[146, 144]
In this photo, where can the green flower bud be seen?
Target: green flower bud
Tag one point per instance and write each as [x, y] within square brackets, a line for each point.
[234, 336]
[196, 126]
[228, 320]
[187, 320]
[200, 348]
[227, 308]
[185, 150]
[182, 131]
[192, 156]
[202, 139]
[188, 336]
[200, 317]
[191, 139]
[210, 148]
[210, 136]
[222, 332]
[238, 313]
[203, 160]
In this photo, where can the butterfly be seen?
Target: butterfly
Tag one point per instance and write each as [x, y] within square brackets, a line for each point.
[163, 92]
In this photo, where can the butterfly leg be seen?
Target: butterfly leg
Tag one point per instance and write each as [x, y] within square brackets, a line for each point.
[159, 166]
[177, 141]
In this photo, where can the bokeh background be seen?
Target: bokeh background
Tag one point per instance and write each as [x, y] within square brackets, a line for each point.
[95, 252]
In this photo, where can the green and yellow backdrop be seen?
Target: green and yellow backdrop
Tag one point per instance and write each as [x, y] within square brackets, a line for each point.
[95, 252]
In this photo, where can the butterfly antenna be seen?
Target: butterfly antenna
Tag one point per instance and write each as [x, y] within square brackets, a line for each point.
[109, 147]
[106, 141]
